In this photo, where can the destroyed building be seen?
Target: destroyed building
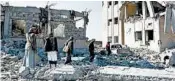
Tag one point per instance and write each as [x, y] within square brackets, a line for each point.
[136, 24]
[16, 21]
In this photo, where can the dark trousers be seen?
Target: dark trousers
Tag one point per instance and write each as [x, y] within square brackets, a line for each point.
[92, 55]
[68, 58]
[53, 62]
[109, 52]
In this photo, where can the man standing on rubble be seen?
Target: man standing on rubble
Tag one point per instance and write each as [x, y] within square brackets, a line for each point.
[108, 49]
[91, 51]
[68, 48]
[51, 49]
[30, 48]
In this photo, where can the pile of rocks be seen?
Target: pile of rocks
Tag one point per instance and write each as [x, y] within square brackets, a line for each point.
[118, 60]
[11, 64]
[9, 67]
[146, 54]
[13, 47]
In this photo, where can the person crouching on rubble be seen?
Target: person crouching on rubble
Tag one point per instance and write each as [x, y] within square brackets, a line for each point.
[108, 49]
[91, 51]
[30, 48]
[51, 49]
[68, 48]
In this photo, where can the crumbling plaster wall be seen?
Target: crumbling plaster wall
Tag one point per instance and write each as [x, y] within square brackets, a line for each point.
[129, 35]
[77, 43]
[153, 44]
[69, 29]
[30, 15]
[137, 25]
[144, 24]
[167, 39]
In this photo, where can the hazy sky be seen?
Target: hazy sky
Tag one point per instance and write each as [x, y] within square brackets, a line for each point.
[94, 28]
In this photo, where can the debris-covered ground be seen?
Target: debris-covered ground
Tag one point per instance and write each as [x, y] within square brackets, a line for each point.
[146, 54]
[121, 67]
[9, 67]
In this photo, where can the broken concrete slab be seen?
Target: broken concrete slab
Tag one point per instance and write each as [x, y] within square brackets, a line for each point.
[172, 60]
[119, 70]
[24, 71]
[7, 56]
[13, 58]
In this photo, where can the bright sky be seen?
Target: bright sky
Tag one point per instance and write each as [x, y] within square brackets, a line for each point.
[94, 28]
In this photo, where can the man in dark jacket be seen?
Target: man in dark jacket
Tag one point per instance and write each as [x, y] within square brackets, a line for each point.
[108, 49]
[91, 51]
[51, 49]
[69, 43]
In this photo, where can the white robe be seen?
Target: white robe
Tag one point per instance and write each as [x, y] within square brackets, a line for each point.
[29, 57]
[52, 55]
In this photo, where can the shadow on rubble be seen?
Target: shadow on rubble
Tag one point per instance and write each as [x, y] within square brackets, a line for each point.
[128, 60]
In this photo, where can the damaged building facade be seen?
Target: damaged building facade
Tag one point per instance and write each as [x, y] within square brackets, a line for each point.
[137, 24]
[16, 22]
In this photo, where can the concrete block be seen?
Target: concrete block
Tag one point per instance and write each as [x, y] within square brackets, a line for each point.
[172, 59]
[13, 58]
[7, 56]
[23, 71]
[14, 77]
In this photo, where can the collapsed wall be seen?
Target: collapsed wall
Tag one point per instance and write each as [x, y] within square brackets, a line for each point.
[17, 21]
[144, 25]
[117, 68]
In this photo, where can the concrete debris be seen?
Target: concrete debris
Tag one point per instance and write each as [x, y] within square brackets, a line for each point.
[41, 72]
[144, 63]
[146, 54]
[131, 73]
[24, 71]
[172, 60]
[13, 58]
[10, 65]
[80, 68]
[130, 61]
[168, 57]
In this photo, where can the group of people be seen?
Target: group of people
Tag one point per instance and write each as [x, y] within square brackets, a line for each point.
[50, 48]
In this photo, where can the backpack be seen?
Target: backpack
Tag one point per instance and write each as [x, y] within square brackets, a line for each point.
[65, 49]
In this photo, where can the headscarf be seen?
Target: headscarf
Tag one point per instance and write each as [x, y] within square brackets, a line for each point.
[31, 30]
[70, 39]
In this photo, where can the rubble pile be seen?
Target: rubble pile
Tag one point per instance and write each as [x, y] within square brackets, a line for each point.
[129, 61]
[13, 47]
[9, 67]
[106, 77]
[80, 69]
[146, 54]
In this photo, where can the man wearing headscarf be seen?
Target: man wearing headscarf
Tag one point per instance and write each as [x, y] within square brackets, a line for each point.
[30, 49]
[51, 49]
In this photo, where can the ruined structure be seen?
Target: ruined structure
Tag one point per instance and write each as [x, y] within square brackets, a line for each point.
[16, 21]
[136, 24]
